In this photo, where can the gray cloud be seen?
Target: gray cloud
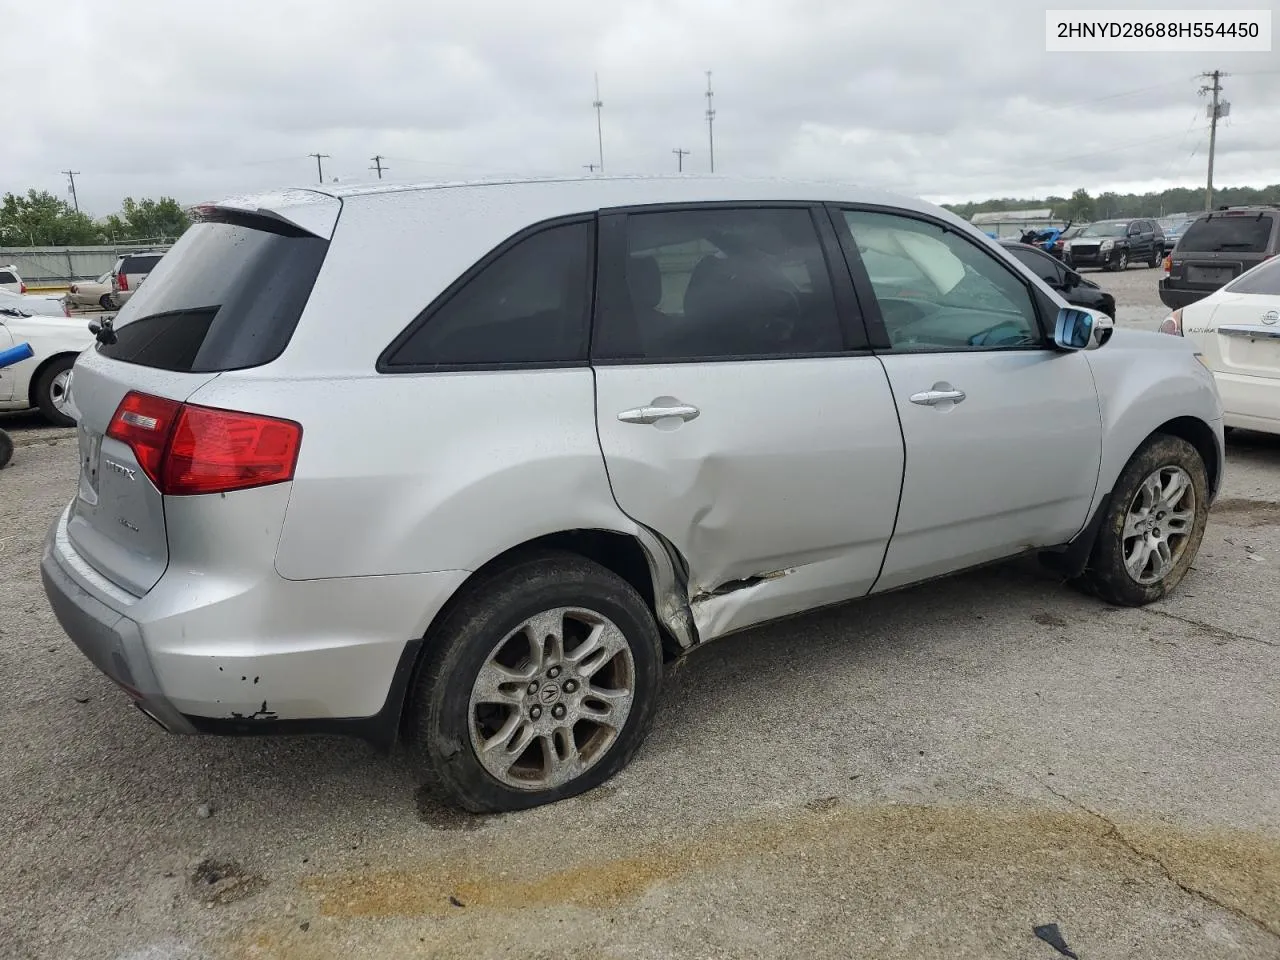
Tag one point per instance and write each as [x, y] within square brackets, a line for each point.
[945, 99]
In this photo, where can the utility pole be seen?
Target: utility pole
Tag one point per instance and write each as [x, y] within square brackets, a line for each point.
[377, 165]
[1215, 110]
[711, 116]
[319, 168]
[599, 105]
[71, 175]
[680, 155]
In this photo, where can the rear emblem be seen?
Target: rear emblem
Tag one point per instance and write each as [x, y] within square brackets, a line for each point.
[1271, 316]
[120, 468]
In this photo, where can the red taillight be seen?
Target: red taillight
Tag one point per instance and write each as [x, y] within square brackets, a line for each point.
[188, 450]
[1172, 324]
[22, 287]
[1167, 265]
[144, 423]
[124, 281]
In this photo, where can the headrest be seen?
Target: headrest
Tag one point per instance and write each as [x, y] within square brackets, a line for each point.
[645, 280]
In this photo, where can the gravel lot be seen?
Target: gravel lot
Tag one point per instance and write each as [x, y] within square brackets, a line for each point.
[927, 774]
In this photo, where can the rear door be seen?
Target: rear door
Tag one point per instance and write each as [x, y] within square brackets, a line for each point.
[1218, 248]
[1003, 432]
[739, 417]
[228, 297]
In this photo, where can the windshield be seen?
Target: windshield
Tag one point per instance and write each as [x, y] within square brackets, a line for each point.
[1105, 230]
[1248, 234]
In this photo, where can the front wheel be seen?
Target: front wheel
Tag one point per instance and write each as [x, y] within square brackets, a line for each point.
[1153, 526]
[1120, 263]
[540, 684]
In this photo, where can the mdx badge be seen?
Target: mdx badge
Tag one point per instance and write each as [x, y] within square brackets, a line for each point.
[120, 468]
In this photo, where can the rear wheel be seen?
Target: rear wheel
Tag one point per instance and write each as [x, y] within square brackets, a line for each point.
[1155, 257]
[6, 449]
[53, 393]
[105, 302]
[1153, 526]
[540, 684]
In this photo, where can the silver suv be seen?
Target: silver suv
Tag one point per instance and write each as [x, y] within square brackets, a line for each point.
[612, 420]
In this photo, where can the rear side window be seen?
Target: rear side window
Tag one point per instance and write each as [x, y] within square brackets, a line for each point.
[227, 297]
[7, 277]
[1249, 234]
[529, 304]
[1264, 281]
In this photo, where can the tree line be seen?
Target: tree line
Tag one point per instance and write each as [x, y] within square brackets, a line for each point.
[41, 219]
[1081, 206]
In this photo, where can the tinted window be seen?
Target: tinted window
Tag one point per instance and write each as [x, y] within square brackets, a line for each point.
[7, 277]
[937, 290]
[226, 297]
[1046, 268]
[140, 264]
[721, 283]
[1247, 234]
[529, 305]
[1264, 280]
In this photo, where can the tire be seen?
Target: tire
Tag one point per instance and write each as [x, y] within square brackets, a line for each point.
[1120, 263]
[49, 385]
[1155, 257]
[486, 627]
[6, 449]
[1107, 575]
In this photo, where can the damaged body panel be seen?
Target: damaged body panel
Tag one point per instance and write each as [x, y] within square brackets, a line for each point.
[790, 466]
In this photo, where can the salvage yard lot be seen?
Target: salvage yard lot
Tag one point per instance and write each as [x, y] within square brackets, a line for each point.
[926, 774]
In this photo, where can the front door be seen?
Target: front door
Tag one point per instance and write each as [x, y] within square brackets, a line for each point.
[1003, 432]
[740, 414]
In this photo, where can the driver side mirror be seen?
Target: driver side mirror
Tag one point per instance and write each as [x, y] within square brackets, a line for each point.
[1081, 329]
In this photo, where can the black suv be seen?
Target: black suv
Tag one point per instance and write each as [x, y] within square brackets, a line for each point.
[1216, 249]
[1074, 288]
[1114, 244]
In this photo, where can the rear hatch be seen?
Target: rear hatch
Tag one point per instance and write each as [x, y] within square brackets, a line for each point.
[1247, 325]
[1218, 248]
[227, 297]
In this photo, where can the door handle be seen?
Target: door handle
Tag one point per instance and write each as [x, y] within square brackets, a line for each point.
[654, 414]
[930, 398]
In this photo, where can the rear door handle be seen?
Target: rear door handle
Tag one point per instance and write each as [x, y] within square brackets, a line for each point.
[930, 398]
[654, 414]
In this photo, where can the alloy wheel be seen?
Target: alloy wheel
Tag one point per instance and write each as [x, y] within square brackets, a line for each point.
[1159, 524]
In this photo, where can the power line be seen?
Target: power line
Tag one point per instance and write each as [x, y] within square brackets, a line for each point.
[711, 116]
[680, 155]
[71, 175]
[1216, 110]
[377, 164]
[319, 168]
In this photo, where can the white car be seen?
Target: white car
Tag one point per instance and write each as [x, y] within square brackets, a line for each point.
[1236, 329]
[9, 279]
[28, 304]
[43, 380]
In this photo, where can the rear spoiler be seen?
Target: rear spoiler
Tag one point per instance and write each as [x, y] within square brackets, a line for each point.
[302, 213]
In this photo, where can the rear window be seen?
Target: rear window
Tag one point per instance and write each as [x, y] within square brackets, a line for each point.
[1263, 280]
[226, 297]
[7, 277]
[139, 265]
[1247, 234]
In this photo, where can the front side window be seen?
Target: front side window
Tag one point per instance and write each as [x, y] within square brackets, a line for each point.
[1261, 281]
[721, 283]
[528, 305]
[938, 291]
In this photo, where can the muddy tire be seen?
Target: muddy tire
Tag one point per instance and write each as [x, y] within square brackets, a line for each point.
[50, 390]
[1153, 526]
[540, 683]
[6, 449]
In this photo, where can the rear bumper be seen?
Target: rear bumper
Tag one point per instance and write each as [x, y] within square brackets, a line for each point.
[1178, 297]
[111, 641]
[1250, 403]
[245, 651]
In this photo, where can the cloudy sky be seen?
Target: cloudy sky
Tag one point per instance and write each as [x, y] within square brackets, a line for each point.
[949, 99]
